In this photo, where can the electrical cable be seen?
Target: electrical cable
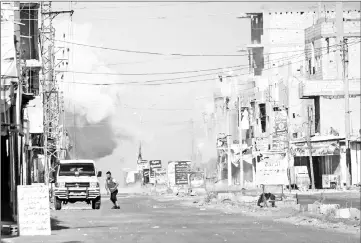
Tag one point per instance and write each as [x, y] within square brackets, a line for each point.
[246, 67]
[192, 71]
[154, 53]
[149, 82]
[167, 54]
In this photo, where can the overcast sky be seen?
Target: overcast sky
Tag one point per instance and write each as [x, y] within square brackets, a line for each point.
[112, 113]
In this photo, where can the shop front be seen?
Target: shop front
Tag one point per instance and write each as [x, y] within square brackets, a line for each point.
[327, 167]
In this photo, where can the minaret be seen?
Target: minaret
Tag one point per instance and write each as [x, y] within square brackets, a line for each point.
[140, 152]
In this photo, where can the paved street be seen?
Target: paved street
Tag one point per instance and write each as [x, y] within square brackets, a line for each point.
[143, 219]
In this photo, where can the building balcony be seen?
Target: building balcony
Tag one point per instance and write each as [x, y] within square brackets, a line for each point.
[331, 88]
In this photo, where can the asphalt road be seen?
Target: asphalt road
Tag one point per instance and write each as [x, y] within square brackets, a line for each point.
[143, 219]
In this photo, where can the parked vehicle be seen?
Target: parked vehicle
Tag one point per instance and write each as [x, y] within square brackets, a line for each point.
[77, 181]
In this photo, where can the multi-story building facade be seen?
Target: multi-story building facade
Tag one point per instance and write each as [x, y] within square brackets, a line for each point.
[21, 112]
[323, 84]
[279, 55]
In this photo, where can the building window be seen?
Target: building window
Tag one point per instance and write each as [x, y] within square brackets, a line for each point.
[328, 44]
[29, 31]
[317, 115]
[263, 117]
[257, 28]
[312, 60]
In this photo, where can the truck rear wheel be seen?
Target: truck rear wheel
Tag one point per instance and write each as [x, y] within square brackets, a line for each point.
[57, 203]
[96, 203]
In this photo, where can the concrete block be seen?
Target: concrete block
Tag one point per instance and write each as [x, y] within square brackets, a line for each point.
[296, 207]
[303, 208]
[290, 201]
[247, 199]
[162, 190]
[343, 213]
[355, 213]
[199, 191]
[313, 208]
[227, 195]
[327, 208]
[213, 201]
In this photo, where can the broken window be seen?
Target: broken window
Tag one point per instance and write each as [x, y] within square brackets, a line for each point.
[263, 117]
[29, 31]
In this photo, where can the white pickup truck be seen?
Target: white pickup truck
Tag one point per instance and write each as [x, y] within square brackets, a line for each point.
[77, 181]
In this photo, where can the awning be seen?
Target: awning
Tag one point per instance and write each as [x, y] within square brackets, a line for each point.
[235, 154]
[320, 148]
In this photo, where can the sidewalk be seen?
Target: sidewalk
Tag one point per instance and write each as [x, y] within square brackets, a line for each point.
[323, 191]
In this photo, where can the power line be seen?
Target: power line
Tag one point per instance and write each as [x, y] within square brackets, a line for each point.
[153, 53]
[186, 77]
[182, 72]
[151, 82]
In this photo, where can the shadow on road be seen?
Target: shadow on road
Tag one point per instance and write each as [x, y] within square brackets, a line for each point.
[55, 224]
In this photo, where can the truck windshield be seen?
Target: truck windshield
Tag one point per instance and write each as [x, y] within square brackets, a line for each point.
[83, 169]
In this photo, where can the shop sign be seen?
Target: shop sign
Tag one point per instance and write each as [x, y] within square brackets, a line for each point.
[324, 148]
[155, 164]
[261, 144]
[280, 122]
[279, 142]
[142, 164]
[160, 176]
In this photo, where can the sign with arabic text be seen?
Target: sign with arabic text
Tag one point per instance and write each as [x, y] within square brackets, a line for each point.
[181, 169]
[279, 142]
[261, 144]
[323, 148]
[280, 122]
[160, 176]
[33, 210]
[142, 164]
[272, 169]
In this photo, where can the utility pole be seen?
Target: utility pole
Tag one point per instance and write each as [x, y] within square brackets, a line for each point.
[347, 112]
[229, 148]
[342, 41]
[49, 89]
[309, 125]
[241, 170]
[289, 73]
[192, 142]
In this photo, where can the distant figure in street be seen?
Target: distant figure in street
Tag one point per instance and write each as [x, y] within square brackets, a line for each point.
[264, 198]
[112, 186]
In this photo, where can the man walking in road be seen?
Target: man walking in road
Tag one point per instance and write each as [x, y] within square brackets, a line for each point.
[112, 186]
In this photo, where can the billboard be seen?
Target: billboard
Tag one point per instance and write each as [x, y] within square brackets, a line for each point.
[272, 169]
[160, 176]
[142, 164]
[181, 170]
[154, 165]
